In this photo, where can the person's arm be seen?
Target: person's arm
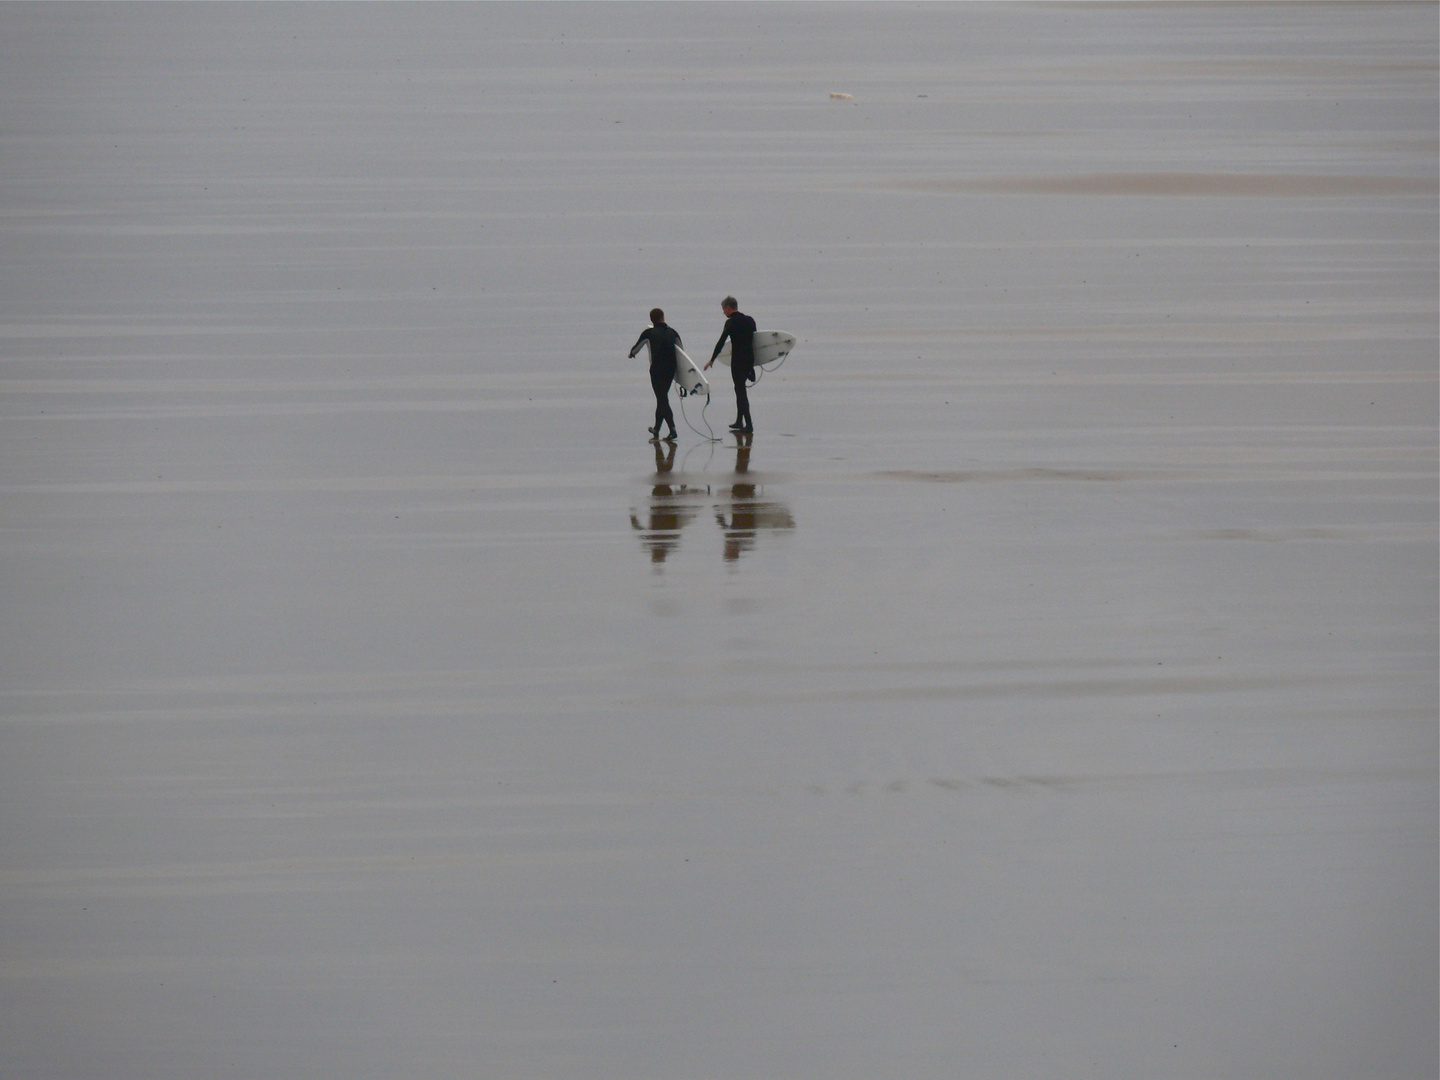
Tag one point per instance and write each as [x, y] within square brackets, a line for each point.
[644, 337]
[723, 335]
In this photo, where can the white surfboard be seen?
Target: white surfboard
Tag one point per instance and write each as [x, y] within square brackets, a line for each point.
[769, 345]
[688, 376]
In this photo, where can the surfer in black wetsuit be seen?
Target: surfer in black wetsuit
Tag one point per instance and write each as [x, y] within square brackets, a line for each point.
[662, 340]
[740, 329]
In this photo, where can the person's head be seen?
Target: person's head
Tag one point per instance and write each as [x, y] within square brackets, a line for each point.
[657, 316]
[729, 306]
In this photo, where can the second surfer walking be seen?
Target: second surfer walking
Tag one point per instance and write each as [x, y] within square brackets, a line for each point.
[740, 329]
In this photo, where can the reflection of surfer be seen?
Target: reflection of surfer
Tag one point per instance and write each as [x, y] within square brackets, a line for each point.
[662, 340]
[740, 329]
[667, 515]
[748, 514]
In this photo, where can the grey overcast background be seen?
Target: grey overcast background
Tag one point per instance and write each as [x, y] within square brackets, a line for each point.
[1049, 690]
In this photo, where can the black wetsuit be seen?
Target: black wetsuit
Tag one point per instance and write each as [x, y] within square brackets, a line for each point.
[662, 340]
[740, 329]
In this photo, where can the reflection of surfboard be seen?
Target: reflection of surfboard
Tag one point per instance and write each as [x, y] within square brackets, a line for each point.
[769, 345]
[688, 376]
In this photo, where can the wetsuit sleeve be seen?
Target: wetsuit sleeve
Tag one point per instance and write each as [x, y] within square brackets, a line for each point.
[644, 336]
[723, 335]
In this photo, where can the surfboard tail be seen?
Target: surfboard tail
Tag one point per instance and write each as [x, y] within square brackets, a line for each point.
[688, 376]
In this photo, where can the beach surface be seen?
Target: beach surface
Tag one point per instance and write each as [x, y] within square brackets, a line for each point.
[1048, 688]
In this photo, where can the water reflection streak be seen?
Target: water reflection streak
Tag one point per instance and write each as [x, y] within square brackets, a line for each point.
[740, 508]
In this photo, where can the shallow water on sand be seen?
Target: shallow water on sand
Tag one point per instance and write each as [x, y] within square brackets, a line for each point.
[1048, 687]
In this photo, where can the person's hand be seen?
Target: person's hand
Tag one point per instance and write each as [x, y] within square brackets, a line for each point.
[707, 366]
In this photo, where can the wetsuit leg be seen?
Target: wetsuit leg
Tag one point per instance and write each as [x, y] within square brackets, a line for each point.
[742, 398]
[660, 382]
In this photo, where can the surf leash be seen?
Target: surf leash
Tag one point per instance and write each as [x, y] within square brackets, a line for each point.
[709, 457]
[774, 367]
[712, 437]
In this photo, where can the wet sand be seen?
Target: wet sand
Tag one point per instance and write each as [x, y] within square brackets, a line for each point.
[1048, 688]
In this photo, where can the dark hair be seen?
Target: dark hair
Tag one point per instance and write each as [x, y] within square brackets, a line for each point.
[657, 316]
[729, 302]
